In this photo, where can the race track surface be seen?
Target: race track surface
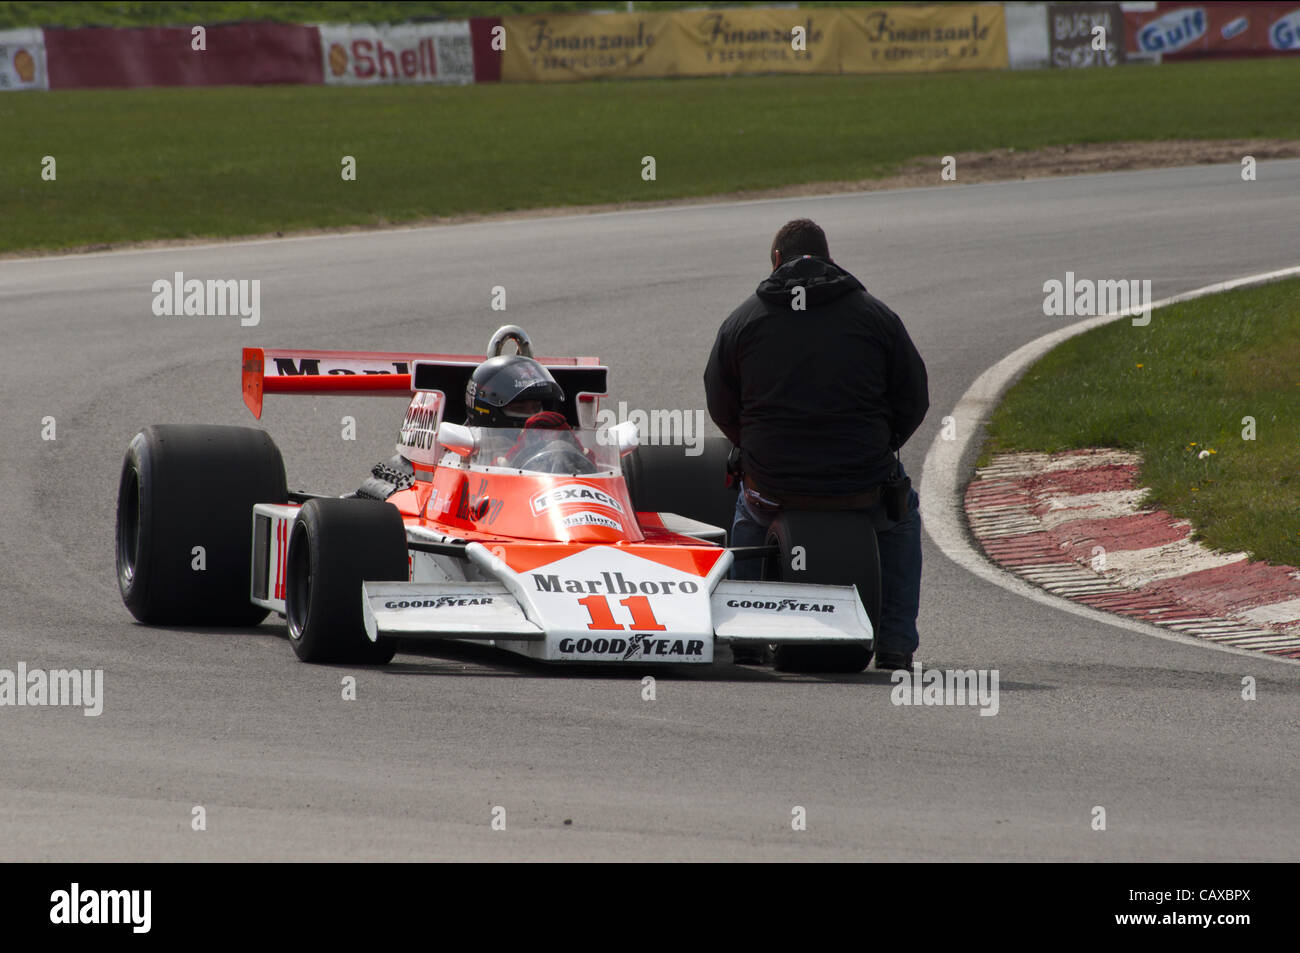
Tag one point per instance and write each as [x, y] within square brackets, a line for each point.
[1156, 732]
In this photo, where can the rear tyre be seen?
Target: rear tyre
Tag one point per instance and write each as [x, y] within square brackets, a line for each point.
[334, 546]
[663, 479]
[185, 487]
[837, 548]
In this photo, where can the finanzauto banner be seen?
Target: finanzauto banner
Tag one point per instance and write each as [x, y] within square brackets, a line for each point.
[922, 39]
[576, 46]
[754, 40]
[726, 42]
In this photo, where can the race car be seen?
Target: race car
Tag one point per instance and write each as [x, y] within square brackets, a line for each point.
[541, 534]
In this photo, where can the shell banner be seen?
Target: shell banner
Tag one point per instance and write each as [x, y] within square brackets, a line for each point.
[365, 55]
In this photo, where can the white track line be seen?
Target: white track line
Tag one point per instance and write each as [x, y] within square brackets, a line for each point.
[942, 473]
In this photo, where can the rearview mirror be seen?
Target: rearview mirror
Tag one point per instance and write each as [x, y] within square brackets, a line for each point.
[625, 436]
[457, 438]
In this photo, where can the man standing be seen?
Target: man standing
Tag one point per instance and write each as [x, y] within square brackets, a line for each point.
[819, 384]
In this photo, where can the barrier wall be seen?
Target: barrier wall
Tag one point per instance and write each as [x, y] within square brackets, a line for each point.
[1027, 46]
[164, 56]
[242, 54]
[651, 43]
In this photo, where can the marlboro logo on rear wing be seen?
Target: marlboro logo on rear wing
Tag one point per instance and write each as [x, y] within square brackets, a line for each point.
[388, 374]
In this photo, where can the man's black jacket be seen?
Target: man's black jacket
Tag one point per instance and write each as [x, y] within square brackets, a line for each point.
[817, 399]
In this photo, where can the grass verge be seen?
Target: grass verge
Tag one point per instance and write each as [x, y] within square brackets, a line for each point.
[81, 13]
[1179, 391]
[169, 163]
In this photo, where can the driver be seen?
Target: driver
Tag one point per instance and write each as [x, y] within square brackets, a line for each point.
[506, 390]
[516, 392]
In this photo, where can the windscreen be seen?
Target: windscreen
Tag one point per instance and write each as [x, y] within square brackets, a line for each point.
[565, 451]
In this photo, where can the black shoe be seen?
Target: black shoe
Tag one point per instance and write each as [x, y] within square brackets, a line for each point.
[892, 661]
[751, 654]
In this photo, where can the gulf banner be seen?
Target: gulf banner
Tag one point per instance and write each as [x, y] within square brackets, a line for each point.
[924, 39]
[723, 42]
[365, 55]
[22, 60]
[1189, 30]
[558, 47]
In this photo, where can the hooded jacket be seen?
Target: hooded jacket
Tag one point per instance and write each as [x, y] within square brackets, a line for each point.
[817, 399]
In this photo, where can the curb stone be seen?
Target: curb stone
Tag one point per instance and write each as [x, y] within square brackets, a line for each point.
[1073, 524]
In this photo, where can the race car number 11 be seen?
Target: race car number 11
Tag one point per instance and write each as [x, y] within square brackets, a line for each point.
[602, 618]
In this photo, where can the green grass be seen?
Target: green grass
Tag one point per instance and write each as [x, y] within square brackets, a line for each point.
[76, 13]
[1177, 387]
[181, 162]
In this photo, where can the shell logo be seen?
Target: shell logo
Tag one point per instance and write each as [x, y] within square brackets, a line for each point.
[25, 66]
[338, 59]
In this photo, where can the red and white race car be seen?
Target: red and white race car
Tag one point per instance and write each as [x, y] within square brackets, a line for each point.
[565, 544]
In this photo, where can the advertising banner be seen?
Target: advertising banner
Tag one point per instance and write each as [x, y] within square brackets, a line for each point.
[723, 42]
[365, 55]
[22, 60]
[1191, 30]
[1072, 33]
[1283, 32]
[920, 39]
[560, 47]
[754, 40]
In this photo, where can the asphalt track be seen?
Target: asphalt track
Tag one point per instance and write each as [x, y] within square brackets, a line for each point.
[1155, 732]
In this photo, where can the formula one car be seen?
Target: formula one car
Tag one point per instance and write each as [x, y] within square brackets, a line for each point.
[546, 536]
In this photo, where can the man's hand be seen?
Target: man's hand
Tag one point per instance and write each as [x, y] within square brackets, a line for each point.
[735, 474]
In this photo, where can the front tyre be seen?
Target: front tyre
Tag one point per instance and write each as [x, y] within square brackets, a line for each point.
[828, 547]
[184, 533]
[334, 547]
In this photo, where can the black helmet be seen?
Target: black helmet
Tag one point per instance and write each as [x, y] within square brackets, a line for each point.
[504, 380]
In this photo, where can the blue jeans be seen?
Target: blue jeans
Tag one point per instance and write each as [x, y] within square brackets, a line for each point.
[900, 567]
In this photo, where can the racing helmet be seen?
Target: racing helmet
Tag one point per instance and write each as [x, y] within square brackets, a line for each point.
[501, 390]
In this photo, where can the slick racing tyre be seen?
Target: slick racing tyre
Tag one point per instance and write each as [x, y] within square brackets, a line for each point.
[185, 522]
[334, 547]
[829, 547]
[663, 479]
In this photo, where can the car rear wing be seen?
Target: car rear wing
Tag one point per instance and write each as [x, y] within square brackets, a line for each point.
[389, 374]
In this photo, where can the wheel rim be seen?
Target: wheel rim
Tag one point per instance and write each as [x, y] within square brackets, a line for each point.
[298, 591]
[128, 525]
